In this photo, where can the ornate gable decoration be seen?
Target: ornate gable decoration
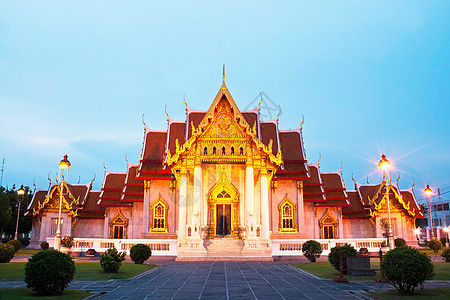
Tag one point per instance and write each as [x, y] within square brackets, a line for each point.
[222, 135]
[51, 201]
[397, 197]
[223, 190]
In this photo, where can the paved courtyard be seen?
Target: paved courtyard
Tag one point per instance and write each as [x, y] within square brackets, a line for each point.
[224, 280]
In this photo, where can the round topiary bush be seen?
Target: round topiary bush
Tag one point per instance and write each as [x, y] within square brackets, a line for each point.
[333, 257]
[443, 241]
[111, 260]
[398, 242]
[67, 242]
[435, 245]
[44, 246]
[16, 244]
[406, 268]
[446, 254]
[49, 272]
[6, 253]
[140, 253]
[312, 250]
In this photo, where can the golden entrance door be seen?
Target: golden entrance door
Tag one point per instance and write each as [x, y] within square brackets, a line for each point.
[223, 210]
[223, 219]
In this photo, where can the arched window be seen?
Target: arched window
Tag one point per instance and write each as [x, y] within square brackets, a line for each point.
[328, 226]
[205, 151]
[232, 150]
[241, 151]
[288, 215]
[118, 226]
[214, 150]
[223, 150]
[158, 212]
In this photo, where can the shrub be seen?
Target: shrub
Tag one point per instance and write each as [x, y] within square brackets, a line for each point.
[446, 254]
[6, 253]
[49, 272]
[111, 260]
[399, 242]
[435, 245]
[140, 253]
[67, 242]
[44, 246]
[91, 252]
[406, 268]
[25, 241]
[312, 250]
[333, 257]
[443, 241]
[16, 244]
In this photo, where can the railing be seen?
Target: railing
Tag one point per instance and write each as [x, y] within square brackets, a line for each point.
[283, 247]
[160, 247]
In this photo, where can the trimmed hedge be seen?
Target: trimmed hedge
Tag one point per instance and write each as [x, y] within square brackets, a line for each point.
[49, 272]
[406, 268]
[446, 254]
[6, 253]
[111, 260]
[333, 257]
[312, 250]
[16, 244]
[435, 245]
[44, 246]
[140, 253]
[398, 242]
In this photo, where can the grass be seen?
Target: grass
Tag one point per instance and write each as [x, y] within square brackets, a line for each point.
[27, 251]
[325, 270]
[425, 294]
[28, 294]
[85, 271]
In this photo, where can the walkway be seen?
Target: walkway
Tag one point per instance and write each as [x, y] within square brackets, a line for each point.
[224, 280]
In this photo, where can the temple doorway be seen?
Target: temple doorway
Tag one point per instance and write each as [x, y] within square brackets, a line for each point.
[223, 219]
[223, 210]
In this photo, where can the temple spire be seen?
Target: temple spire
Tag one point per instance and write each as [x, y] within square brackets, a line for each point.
[223, 80]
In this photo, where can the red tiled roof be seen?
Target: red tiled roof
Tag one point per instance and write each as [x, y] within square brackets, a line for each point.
[177, 130]
[334, 190]
[194, 117]
[312, 189]
[91, 210]
[269, 132]
[111, 192]
[251, 117]
[356, 209]
[134, 188]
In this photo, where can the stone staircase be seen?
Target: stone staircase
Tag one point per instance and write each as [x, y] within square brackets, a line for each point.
[226, 249]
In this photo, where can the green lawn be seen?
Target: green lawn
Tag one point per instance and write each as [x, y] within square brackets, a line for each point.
[325, 270]
[28, 294]
[85, 271]
[424, 294]
[23, 251]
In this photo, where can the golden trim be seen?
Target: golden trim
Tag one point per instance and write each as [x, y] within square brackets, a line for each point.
[161, 201]
[287, 201]
[114, 222]
[328, 220]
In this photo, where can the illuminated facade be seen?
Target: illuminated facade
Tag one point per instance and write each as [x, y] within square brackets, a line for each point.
[223, 174]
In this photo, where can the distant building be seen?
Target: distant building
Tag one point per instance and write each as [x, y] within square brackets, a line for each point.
[223, 177]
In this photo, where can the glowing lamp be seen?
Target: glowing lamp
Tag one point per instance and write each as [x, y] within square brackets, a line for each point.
[417, 231]
[384, 164]
[428, 191]
[64, 163]
[20, 192]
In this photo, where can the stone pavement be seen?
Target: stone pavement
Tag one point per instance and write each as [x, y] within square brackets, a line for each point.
[225, 280]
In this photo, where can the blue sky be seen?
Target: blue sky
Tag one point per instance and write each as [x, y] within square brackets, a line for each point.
[369, 77]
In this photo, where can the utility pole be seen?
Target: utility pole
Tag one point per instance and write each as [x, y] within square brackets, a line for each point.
[3, 168]
[442, 206]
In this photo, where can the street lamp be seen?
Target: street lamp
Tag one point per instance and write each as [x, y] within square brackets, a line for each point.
[428, 193]
[20, 194]
[385, 166]
[64, 165]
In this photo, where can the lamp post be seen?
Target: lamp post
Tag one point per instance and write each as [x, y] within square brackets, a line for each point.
[20, 194]
[64, 165]
[428, 193]
[385, 166]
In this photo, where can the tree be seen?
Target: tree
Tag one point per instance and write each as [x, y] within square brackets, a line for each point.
[5, 210]
[24, 223]
[384, 224]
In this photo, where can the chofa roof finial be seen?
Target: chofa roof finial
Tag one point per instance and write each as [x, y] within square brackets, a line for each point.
[223, 75]
[303, 121]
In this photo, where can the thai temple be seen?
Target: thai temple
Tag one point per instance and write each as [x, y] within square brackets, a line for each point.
[220, 183]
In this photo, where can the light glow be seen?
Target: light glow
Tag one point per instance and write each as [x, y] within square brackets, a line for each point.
[428, 191]
[64, 163]
[21, 192]
[384, 164]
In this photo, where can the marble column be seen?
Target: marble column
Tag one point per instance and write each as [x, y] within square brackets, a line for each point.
[264, 206]
[146, 208]
[250, 200]
[196, 218]
[182, 207]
